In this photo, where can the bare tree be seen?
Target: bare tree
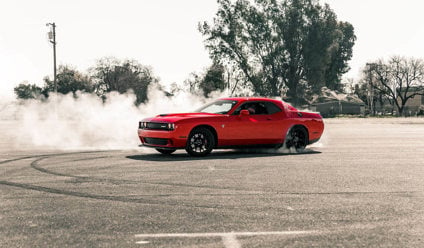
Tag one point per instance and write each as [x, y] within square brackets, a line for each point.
[193, 83]
[400, 79]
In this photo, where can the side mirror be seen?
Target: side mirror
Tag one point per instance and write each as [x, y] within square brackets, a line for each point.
[244, 112]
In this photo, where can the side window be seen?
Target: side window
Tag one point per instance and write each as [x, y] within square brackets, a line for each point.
[261, 108]
[243, 106]
[255, 108]
[272, 108]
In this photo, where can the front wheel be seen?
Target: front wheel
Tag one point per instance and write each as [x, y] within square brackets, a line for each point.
[200, 142]
[297, 138]
[165, 151]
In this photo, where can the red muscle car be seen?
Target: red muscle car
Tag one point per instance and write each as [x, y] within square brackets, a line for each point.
[241, 122]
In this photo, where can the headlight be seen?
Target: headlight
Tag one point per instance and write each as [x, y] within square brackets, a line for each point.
[171, 126]
[142, 125]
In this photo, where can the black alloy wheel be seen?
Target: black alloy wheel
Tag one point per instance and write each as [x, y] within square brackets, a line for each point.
[297, 138]
[200, 142]
[165, 151]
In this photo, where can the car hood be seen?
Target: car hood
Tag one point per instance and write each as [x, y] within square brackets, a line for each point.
[179, 116]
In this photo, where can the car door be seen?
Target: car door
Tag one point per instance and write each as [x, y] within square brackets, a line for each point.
[261, 126]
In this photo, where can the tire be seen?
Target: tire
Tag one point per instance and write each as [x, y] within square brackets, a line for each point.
[297, 138]
[200, 142]
[165, 151]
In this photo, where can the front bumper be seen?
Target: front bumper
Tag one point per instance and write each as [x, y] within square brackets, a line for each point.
[162, 139]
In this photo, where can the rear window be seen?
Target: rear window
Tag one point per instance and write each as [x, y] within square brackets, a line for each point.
[272, 108]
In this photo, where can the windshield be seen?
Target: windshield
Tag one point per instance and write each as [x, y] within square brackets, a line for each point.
[218, 107]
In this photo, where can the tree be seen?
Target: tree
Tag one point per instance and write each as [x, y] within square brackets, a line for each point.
[399, 80]
[174, 89]
[68, 80]
[291, 44]
[213, 80]
[28, 91]
[360, 89]
[112, 74]
[193, 83]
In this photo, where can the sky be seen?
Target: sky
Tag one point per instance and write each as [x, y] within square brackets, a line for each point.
[163, 34]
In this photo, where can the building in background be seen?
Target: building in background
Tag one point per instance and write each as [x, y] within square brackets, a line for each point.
[330, 103]
[415, 105]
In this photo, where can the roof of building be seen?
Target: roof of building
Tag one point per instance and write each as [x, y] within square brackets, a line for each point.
[328, 95]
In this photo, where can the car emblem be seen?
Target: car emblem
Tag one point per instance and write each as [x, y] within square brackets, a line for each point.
[223, 125]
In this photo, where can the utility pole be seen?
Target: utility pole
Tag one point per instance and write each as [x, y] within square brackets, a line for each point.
[52, 39]
[371, 67]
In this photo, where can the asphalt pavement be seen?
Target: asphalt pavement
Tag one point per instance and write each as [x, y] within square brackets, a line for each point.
[362, 185]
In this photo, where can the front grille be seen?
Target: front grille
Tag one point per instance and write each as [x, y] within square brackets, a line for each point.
[156, 141]
[157, 126]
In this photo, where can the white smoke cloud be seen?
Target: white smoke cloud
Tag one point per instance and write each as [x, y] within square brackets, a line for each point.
[64, 122]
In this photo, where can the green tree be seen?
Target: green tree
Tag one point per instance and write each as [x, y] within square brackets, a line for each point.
[68, 80]
[112, 74]
[213, 80]
[208, 81]
[28, 91]
[296, 45]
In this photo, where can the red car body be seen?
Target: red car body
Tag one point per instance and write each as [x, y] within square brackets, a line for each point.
[270, 124]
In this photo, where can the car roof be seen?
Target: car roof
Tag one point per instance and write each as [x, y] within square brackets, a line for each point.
[243, 99]
[280, 103]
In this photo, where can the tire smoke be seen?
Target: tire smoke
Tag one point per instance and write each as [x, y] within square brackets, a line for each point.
[65, 122]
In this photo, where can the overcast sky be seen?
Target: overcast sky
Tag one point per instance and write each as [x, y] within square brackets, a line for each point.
[163, 34]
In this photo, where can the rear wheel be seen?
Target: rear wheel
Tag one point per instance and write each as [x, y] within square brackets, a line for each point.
[165, 151]
[297, 139]
[200, 142]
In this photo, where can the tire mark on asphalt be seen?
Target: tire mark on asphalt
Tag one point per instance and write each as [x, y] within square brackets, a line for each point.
[87, 159]
[138, 199]
[124, 199]
[34, 156]
[20, 158]
[35, 165]
[75, 193]
[47, 155]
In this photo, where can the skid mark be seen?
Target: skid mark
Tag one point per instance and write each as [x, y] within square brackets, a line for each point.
[124, 199]
[36, 165]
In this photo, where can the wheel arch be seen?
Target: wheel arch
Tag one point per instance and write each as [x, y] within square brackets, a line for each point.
[210, 128]
[301, 126]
